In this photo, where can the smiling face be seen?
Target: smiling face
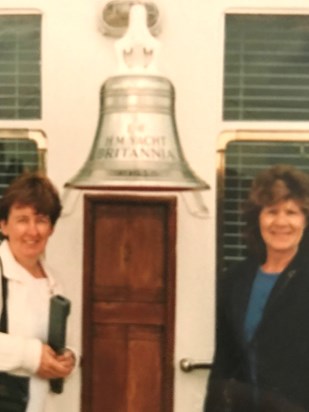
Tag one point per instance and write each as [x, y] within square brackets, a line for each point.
[27, 232]
[282, 226]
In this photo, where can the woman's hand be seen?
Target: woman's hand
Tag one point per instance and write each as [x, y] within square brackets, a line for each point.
[67, 359]
[55, 366]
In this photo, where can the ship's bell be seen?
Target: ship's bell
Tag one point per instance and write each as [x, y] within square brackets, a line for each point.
[136, 144]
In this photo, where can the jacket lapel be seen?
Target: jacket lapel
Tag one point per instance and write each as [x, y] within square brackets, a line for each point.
[240, 300]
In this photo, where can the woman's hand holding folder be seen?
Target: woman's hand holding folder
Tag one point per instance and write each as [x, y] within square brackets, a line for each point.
[54, 366]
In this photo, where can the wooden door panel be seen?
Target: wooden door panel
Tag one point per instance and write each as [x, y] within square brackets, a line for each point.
[120, 312]
[131, 263]
[129, 287]
[144, 372]
[108, 370]
[127, 360]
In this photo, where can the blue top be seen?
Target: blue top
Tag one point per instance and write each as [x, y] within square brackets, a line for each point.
[261, 288]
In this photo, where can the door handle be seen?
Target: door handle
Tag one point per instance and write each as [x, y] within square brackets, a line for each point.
[188, 365]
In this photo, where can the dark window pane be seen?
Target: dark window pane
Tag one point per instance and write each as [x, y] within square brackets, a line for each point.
[266, 67]
[20, 66]
[16, 156]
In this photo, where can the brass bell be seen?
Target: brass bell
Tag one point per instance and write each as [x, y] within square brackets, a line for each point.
[136, 145]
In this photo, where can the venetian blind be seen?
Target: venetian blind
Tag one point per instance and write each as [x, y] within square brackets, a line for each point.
[20, 59]
[242, 161]
[266, 67]
[16, 156]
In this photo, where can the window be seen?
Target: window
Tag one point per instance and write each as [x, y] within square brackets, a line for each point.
[20, 93]
[20, 151]
[266, 78]
[266, 67]
[20, 62]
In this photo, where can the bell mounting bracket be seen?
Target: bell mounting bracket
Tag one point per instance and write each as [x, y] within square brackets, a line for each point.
[116, 14]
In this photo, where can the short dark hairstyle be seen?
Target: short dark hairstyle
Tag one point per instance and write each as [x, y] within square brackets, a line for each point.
[32, 189]
[270, 186]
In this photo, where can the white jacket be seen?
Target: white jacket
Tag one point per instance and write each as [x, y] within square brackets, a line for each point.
[20, 352]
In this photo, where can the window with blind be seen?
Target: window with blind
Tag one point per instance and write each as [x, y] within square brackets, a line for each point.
[266, 78]
[266, 67]
[20, 66]
[242, 160]
[20, 151]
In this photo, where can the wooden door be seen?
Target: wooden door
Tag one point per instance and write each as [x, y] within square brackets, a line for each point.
[128, 303]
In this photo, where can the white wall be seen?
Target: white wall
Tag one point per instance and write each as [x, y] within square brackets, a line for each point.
[77, 59]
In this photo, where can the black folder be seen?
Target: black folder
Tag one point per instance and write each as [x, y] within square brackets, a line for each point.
[58, 313]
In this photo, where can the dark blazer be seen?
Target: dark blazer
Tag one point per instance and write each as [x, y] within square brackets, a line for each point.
[279, 349]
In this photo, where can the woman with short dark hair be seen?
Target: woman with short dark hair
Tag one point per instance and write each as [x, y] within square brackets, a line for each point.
[35, 190]
[29, 210]
[262, 340]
